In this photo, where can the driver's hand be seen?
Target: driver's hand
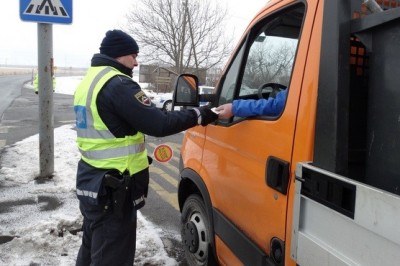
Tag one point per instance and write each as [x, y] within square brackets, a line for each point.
[224, 111]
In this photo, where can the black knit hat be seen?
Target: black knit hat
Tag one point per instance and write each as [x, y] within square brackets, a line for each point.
[118, 43]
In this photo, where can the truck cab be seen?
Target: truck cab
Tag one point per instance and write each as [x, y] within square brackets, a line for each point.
[318, 183]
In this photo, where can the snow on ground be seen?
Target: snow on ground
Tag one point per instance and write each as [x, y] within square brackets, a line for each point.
[39, 223]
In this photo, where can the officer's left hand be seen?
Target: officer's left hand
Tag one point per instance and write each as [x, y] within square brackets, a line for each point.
[207, 116]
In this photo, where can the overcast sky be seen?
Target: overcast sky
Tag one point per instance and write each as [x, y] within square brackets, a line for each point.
[74, 44]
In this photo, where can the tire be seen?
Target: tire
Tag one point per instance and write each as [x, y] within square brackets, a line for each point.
[196, 233]
[167, 106]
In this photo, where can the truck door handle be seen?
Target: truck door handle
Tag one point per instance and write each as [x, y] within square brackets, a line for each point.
[277, 174]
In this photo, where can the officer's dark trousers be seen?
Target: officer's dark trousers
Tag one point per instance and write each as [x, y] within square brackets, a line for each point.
[107, 239]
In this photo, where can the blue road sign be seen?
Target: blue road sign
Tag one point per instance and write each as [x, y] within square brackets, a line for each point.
[46, 11]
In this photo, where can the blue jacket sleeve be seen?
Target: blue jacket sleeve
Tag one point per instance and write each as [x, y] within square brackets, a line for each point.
[270, 106]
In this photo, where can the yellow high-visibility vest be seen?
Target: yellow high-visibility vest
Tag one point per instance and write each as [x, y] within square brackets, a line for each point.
[36, 83]
[97, 145]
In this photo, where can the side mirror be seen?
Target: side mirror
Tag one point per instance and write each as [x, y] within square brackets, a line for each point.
[186, 91]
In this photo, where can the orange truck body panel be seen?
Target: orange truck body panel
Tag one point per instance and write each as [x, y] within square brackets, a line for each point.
[243, 163]
[231, 160]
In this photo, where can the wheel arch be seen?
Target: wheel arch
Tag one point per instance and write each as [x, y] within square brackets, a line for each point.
[192, 183]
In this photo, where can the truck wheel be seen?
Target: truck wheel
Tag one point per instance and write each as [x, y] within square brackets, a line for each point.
[167, 106]
[196, 233]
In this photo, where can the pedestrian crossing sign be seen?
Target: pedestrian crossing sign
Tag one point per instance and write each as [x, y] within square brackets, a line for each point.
[46, 11]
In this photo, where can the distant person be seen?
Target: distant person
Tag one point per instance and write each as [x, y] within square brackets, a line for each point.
[113, 115]
[247, 108]
[36, 83]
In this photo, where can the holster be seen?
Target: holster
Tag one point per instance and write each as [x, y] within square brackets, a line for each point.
[119, 187]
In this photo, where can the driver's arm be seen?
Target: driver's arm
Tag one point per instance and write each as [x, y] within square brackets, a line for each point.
[246, 108]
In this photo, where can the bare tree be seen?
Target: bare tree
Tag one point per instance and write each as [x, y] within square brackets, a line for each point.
[269, 62]
[181, 34]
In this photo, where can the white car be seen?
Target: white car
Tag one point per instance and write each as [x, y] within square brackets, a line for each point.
[206, 90]
[149, 93]
[163, 101]
[160, 100]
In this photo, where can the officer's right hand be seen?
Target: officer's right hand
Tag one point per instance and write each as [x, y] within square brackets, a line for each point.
[206, 116]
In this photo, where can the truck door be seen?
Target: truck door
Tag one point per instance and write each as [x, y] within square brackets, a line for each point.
[247, 160]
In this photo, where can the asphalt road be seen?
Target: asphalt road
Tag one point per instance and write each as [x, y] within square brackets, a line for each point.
[20, 116]
[10, 88]
[19, 120]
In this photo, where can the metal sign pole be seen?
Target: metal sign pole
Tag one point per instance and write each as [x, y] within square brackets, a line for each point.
[46, 118]
[46, 12]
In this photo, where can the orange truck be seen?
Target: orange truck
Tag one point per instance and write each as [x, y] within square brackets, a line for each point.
[318, 184]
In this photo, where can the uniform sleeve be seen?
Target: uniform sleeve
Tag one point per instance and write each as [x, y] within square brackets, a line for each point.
[270, 106]
[125, 109]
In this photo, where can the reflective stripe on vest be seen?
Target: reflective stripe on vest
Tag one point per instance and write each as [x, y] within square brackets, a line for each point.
[112, 153]
[98, 146]
[90, 132]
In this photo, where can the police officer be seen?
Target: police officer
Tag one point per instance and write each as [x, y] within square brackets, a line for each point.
[112, 116]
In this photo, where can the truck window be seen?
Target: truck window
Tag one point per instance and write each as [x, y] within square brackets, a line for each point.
[268, 59]
[228, 87]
